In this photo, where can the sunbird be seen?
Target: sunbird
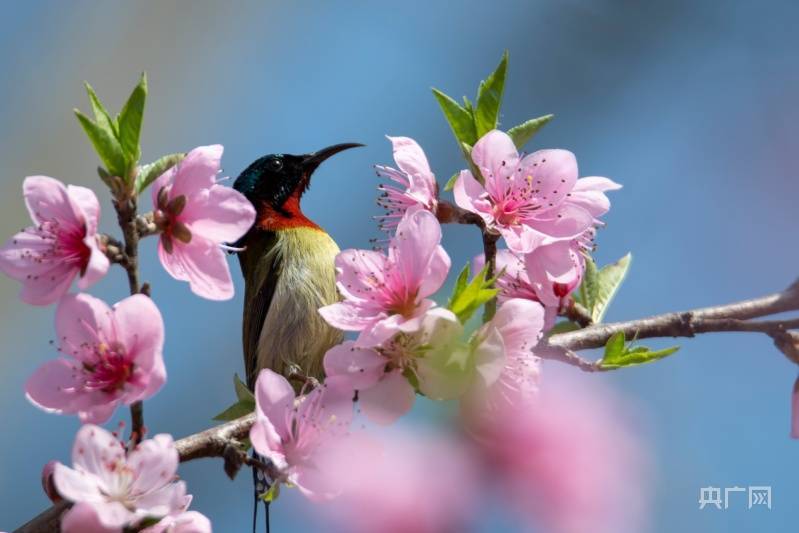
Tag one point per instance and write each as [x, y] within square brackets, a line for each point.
[287, 262]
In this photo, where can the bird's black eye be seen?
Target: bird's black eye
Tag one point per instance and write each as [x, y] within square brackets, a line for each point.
[275, 164]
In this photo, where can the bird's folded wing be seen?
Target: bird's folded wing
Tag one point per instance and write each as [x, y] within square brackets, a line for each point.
[260, 265]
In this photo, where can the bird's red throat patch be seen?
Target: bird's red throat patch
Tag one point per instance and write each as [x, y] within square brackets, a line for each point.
[288, 217]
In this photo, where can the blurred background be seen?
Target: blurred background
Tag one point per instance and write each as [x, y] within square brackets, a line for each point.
[691, 105]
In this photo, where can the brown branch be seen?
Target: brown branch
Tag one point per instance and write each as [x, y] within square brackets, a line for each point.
[133, 227]
[576, 313]
[213, 441]
[448, 213]
[125, 206]
[48, 521]
[735, 317]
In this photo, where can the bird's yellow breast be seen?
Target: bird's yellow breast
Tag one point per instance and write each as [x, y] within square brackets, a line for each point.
[294, 332]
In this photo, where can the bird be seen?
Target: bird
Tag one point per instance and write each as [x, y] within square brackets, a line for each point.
[288, 264]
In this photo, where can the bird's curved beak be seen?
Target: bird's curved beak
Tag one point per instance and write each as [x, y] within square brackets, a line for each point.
[312, 161]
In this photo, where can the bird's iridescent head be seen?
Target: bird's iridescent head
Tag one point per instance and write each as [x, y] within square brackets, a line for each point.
[275, 179]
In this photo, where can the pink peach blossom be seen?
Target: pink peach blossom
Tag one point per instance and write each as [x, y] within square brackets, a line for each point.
[417, 183]
[507, 368]
[547, 274]
[110, 356]
[529, 200]
[385, 294]
[113, 490]
[569, 460]
[433, 357]
[196, 216]
[556, 270]
[83, 519]
[292, 431]
[408, 482]
[60, 246]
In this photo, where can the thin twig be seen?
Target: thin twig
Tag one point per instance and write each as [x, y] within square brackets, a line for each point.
[736, 317]
[125, 205]
[126, 216]
[448, 213]
[490, 254]
[576, 313]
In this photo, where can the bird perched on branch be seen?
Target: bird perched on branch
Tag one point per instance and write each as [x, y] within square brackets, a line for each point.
[289, 273]
[288, 267]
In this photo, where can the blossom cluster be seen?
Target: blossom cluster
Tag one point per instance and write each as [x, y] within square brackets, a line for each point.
[113, 355]
[405, 344]
[546, 215]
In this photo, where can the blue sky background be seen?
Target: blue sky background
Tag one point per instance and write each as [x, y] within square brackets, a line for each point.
[690, 104]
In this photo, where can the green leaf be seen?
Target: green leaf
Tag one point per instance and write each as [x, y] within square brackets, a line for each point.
[638, 355]
[467, 298]
[242, 392]
[150, 172]
[237, 410]
[609, 280]
[586, 295]
[130, 121]
[105, 144]
[245, 404]
[489, 99]
[466, 149]
[460, 284]
[451, 182]
[101, 116]
[272, 493]
[600, 286]
[522, 133]
[467, 104]
[615, 346]
[459, 118]
[107, 178]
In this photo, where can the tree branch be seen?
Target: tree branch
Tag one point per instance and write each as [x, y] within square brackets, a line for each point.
[732, 317]
[448, 213]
